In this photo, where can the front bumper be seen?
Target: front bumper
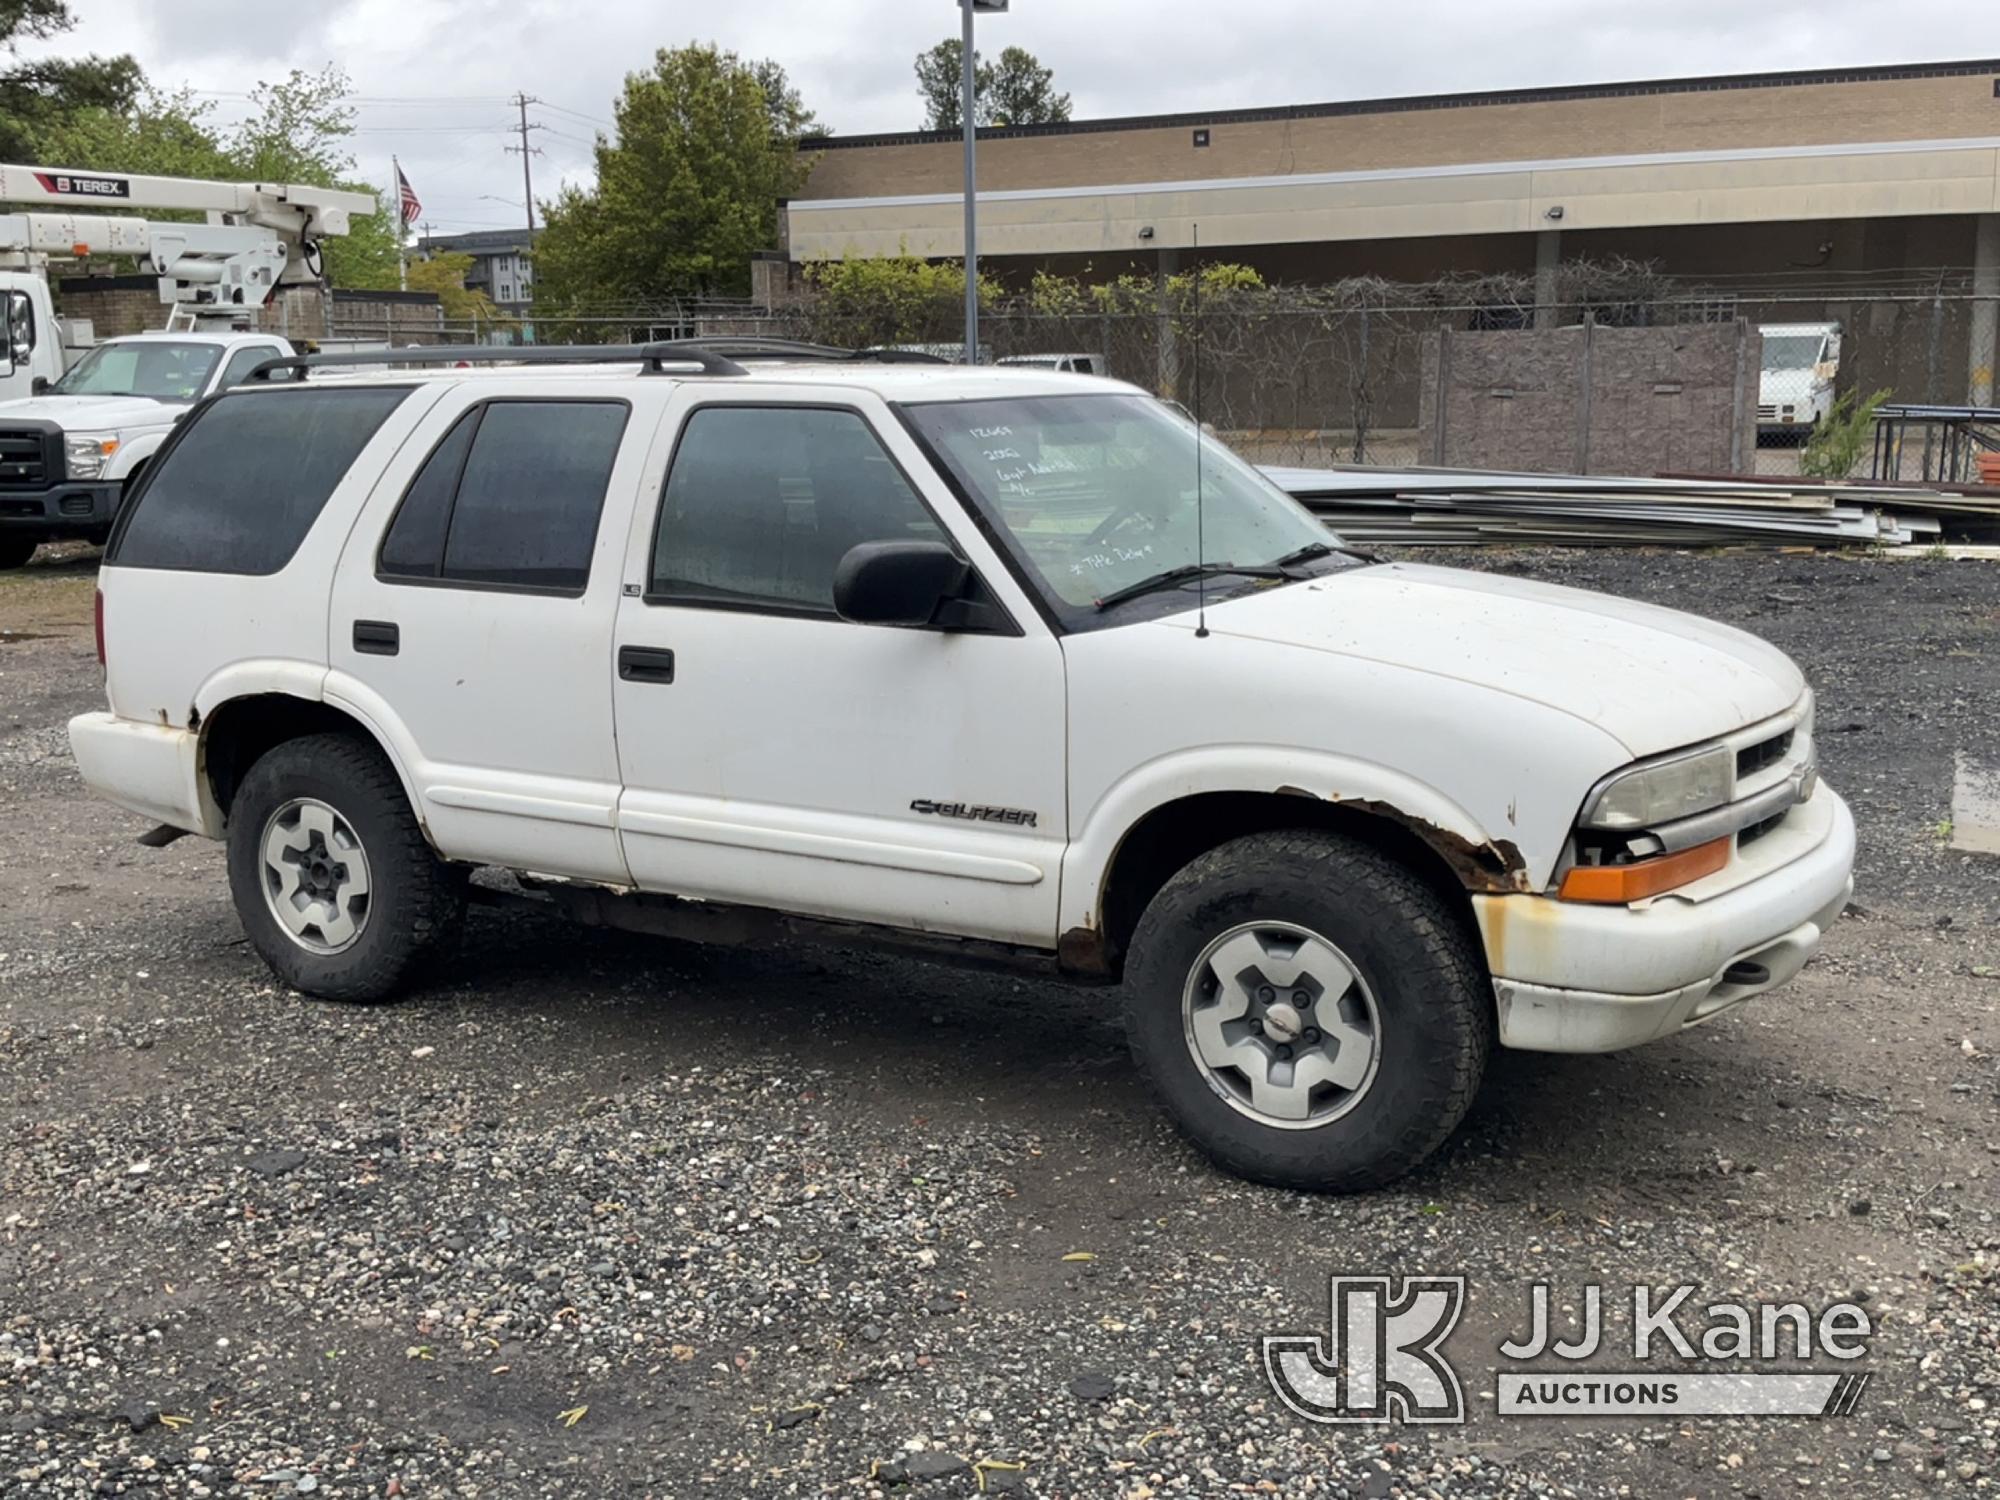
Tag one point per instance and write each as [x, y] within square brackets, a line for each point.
[1570, 977]
[79, 508]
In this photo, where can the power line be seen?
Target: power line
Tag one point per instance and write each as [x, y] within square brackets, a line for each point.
[580, 115]
[483, 129]
[415, 99]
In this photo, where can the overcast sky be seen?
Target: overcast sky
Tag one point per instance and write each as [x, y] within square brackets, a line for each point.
[432, 76]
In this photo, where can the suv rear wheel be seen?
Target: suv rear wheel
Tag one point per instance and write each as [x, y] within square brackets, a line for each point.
[330, 873]
[1312, 1013]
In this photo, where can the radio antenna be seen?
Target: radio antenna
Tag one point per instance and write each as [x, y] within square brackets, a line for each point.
[1200, 538]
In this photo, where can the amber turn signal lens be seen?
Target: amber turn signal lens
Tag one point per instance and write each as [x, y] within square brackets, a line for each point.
[1619, 884]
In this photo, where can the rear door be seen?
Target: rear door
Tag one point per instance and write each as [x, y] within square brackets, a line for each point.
[472, 615]
[776, 755]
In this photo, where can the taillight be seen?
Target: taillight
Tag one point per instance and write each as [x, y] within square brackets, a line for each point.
[97, 616]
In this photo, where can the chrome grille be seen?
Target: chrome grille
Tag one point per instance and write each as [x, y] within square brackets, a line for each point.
[1765, 753]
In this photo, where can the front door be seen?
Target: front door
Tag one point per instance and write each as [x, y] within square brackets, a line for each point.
[777, 755]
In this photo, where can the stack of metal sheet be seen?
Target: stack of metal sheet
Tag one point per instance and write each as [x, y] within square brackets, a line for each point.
[1469, 507]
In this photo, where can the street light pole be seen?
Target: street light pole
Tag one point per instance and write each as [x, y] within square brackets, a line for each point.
[966, 92]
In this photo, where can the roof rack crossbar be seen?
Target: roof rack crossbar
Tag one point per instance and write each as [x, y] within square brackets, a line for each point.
[654, 358]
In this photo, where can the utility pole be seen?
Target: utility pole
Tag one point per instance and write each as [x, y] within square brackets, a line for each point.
[521, 102]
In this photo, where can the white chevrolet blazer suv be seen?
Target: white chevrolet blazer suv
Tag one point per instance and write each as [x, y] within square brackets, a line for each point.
[1001, 663]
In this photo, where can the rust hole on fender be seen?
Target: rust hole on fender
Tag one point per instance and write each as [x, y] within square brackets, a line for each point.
[1496, 866]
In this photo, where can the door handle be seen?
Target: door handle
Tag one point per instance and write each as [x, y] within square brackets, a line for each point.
[645, 664]
[377, 637]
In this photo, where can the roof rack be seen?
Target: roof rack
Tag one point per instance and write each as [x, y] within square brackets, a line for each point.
[655, 358]
[760, 346]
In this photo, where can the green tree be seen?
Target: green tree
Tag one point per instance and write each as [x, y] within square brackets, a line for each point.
[36, 94]
[159, 134]
[1017, 90]
[790, 119]
[687, 188]
[298, 131]
[444, 272]
[940, 84]
[1021, 92]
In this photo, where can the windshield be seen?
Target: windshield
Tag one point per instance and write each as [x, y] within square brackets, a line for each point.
[1098, 492]
[1791, 351]
[164, 371]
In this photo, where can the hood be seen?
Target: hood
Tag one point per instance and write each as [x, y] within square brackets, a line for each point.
[94, 413]
[1655, 679]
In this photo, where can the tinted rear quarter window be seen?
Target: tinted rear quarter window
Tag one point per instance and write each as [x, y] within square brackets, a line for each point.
[414, 547]
[242, 485]
[529, 498]
[510, 497]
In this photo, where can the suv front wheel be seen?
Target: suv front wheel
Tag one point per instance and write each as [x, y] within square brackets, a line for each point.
[331, 876]
[1312, 1013]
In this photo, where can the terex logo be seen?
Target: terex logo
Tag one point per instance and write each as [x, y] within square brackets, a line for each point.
[74, 185]
[1380, 1361]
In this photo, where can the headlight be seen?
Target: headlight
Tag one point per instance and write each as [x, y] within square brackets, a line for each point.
[1661, 792]
[86, 453]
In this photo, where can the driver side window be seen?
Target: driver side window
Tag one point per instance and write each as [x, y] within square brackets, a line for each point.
[762, 503]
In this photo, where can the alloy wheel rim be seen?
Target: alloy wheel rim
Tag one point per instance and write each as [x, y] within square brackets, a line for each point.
[315, 875]
[1281, 1025]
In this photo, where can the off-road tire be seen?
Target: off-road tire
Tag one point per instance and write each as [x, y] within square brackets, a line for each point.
[16, 550]
[1434, 1004]
[415, 902]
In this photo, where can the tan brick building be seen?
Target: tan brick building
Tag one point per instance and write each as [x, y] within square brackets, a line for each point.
[1875, 177]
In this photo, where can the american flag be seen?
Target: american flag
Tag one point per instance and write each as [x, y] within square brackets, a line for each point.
[411, 207]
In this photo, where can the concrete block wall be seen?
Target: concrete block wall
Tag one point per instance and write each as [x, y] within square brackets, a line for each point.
[1590, 399]
[119, 305]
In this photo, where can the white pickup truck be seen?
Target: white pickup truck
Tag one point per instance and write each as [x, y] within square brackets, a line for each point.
[69, 453]
[1004, 664]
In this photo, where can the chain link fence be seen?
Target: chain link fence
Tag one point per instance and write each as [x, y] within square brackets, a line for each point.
[1337, 374]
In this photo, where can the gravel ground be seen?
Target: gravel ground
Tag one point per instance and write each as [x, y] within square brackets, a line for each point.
[609, 1217]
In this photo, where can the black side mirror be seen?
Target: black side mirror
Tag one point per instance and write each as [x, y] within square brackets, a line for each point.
[910, 583]
[39, 384]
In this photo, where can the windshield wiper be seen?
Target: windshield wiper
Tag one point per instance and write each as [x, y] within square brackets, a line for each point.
[1310, 552]
[1172, 577]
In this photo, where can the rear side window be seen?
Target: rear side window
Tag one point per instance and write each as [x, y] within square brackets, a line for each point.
[243, 483]
[510, 498]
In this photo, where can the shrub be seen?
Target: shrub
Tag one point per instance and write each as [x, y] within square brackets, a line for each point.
[1834, 450]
